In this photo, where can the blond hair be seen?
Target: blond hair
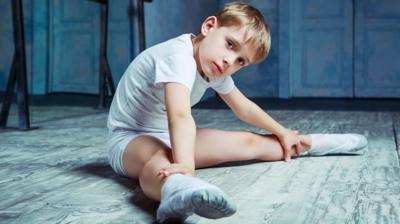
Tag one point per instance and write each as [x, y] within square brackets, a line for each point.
[257, 30]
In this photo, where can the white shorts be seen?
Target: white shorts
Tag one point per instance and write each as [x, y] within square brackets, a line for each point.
[118, 140]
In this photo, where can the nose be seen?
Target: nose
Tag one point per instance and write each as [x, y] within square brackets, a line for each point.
[229, 60]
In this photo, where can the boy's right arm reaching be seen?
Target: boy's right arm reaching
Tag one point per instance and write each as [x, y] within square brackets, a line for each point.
[182, 128]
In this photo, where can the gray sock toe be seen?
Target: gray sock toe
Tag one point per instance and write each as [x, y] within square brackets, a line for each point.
[213, 204]
[181, 196]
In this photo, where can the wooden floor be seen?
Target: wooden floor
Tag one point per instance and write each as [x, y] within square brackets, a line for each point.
[59, 173]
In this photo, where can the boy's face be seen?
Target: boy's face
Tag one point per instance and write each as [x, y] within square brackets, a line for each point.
[222, 51]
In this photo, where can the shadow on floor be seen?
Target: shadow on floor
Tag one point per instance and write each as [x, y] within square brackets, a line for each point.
[103, 170]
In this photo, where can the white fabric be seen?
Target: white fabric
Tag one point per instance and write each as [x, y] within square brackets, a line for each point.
[117, 142]
[138, 103]
[329, 144]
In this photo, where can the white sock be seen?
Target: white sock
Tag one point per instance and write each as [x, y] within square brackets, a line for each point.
[325, 144]
[182, 195]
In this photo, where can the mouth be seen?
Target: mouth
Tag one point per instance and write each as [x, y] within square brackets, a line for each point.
[217, 68]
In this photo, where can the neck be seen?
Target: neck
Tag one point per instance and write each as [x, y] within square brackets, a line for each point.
[196, 44]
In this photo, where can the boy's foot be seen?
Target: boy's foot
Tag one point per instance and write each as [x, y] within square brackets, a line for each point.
[181, 196]
[325, 144]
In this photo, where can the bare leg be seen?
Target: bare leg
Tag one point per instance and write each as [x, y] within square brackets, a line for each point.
[143, 159]
[146, 155]
[217, 146]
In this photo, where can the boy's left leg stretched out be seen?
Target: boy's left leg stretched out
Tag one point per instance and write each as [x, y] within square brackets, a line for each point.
[214, 146]
[211, 147]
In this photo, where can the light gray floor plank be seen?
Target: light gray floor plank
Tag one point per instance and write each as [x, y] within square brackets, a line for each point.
[59, 174]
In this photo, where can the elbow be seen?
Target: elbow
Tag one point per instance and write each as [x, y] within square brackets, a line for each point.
[177, 117]
[246, 113]
[242, 115]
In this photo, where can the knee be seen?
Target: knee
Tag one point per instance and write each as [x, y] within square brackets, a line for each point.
[252, 140]
[153, 165]
[261, 140]
[146, 168]
[253, 144]
[271, 148]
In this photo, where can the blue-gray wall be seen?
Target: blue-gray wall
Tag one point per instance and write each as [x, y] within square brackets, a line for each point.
[342, 48]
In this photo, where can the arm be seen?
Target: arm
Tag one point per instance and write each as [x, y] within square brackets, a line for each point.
[249, 112]
[181, 124]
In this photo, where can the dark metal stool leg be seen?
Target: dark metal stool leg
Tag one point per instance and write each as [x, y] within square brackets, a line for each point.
[142, 40]
[136, 8]
[5, 109]
[17, 73]
[105, 79]
[110, 80]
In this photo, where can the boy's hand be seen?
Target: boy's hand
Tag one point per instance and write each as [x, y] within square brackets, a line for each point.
[288, 140]
[176, 168]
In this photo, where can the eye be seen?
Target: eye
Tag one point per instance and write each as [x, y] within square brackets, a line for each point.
[241, 61]
[230, 45]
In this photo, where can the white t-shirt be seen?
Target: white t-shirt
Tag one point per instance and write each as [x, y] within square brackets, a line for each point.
[138, 102]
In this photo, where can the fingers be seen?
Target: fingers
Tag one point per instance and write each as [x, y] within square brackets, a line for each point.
[304, 142]
[175, 169]
[163, 173]
[286, 153]
[168, 172]
[298, 148]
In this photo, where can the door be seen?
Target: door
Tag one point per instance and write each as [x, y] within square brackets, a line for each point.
[321, 42]
[74, 46]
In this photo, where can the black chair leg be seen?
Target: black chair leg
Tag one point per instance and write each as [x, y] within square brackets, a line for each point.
[142, 38]
[5, 109]
[136, 8]
[110, 80]
[105, 79]
[17, 73]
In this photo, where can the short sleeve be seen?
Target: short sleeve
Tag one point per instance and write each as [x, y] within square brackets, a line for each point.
[178, 68]
[224, 85]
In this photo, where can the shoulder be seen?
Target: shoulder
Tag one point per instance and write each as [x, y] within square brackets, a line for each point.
[174, 61]
[176, 68]
[220, 80]
[178, 60]
[176, 54]
[175, 46]
[223, 85]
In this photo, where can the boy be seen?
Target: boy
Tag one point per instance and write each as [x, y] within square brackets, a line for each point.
[152, 134]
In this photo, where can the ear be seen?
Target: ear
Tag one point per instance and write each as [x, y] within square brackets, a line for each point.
[208, 24]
